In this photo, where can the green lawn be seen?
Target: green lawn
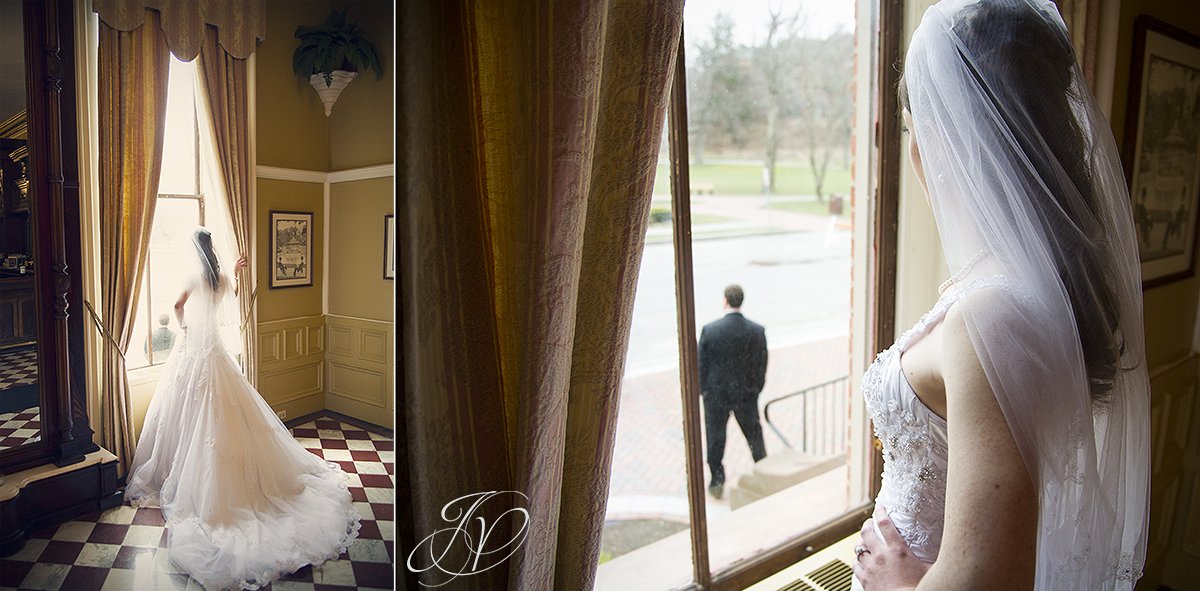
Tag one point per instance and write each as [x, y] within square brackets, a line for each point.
[746, 179]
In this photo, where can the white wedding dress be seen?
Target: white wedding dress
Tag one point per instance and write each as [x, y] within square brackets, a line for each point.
[915, 453]
[244, 503]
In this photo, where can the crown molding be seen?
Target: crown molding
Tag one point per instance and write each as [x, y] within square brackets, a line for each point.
[290, 174]
[319, 177]
[359, 174]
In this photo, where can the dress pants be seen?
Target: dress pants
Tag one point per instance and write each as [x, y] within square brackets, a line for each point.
[716, 418]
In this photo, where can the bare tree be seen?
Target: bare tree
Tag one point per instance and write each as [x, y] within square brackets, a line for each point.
[719, 108]
[827, 106]
[774, 64]
[791, 92]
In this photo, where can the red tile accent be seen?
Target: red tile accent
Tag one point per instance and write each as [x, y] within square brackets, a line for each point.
[375, 481]
[86, 578]
[149, 516]
[373, 574]
[364, 456]
[108, 533]
[61, 552]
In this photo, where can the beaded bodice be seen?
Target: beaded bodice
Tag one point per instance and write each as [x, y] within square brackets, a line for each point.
[914, 439]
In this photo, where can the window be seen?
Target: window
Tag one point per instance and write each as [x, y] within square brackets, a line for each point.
[768, 179]
[183, 203]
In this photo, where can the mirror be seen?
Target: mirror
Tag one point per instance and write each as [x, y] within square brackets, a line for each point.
[20, 392]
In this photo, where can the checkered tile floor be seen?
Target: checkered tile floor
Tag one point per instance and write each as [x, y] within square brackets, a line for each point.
[19, 428]
[125, 548]
[17, 368]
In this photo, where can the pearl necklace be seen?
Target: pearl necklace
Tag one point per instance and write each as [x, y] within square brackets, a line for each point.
[962, 272]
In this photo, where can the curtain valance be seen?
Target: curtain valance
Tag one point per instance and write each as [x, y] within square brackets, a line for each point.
[239, 23]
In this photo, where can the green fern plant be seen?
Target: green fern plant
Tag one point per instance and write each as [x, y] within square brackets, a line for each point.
[334, 45]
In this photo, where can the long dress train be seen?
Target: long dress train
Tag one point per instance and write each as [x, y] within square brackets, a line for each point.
[244, 503]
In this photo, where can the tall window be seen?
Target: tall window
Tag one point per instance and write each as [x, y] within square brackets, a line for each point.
[183, 203]
[766, 180]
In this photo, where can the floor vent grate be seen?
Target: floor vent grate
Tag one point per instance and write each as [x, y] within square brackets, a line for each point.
[834, 576]
[798, 585]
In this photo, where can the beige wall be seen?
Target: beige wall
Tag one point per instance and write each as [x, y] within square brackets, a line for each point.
[356, 284]
[361, 126]
[290, 321]
[360, 356]
[291, 302]
[292, 129]
[361, 302]
[1170, 318]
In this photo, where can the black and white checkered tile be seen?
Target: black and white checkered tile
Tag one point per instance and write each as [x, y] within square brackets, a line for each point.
[18, 368]
[19, 428]
[125, 548]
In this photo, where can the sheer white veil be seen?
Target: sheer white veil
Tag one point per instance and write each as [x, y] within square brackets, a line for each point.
[210, 314]
[1028, 193]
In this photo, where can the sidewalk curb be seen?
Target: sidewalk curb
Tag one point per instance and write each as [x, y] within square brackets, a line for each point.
[657, 240]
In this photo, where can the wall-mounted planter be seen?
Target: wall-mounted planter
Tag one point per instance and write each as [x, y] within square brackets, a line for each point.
[338, 48]
[329, 93]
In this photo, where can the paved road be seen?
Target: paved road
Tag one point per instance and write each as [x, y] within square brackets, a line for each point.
[797, 285]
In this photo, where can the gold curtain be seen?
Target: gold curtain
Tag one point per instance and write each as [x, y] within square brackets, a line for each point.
[223, 79]
[241, 23]
[132, 111]
[531, 143]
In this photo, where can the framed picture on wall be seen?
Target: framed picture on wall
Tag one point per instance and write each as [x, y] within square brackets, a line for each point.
[389, 246]
[291, 249]
[1162, 149]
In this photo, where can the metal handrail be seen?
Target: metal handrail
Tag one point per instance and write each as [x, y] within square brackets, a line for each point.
[803, 422]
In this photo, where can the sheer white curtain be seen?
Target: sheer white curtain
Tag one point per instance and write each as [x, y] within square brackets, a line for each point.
[218, 220]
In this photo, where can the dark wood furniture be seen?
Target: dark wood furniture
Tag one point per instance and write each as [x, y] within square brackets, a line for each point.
[54, 204]
[18, 309]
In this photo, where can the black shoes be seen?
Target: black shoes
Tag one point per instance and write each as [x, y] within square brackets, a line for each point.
[716, 489]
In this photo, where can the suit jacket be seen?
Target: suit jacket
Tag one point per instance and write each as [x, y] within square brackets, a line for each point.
[733, 358]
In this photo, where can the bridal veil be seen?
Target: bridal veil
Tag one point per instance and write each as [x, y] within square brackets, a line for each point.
[1025, 182]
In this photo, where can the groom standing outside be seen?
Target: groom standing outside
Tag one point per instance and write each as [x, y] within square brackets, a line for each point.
[733, 368]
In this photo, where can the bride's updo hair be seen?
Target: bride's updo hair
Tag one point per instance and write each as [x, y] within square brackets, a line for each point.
[210, 267]
[1027, 59]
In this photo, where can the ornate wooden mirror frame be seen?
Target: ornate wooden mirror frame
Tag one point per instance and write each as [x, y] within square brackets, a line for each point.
[50, 77]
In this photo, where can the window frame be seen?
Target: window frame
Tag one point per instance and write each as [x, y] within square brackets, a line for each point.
[881, 306]
[199, 197]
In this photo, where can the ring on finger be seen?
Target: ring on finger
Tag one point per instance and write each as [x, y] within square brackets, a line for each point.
[859, 550]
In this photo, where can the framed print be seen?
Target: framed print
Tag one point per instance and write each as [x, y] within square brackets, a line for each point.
[389, 246]
[291, 249]
[1162, 149]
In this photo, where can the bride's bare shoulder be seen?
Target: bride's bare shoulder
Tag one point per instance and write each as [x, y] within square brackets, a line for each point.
[987, 308]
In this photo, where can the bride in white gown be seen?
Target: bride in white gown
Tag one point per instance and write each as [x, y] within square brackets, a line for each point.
[244, 503]
[1014, 417]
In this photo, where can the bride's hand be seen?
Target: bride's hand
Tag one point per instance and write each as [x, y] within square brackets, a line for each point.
[887, 564]
[241, 262]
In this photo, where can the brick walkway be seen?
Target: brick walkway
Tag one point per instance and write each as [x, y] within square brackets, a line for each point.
[648, 459]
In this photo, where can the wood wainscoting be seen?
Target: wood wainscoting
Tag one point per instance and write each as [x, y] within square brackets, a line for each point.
[360, 358]
[1173, 553]
[291, 370]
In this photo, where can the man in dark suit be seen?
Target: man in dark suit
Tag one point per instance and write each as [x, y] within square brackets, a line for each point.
[733, 368]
